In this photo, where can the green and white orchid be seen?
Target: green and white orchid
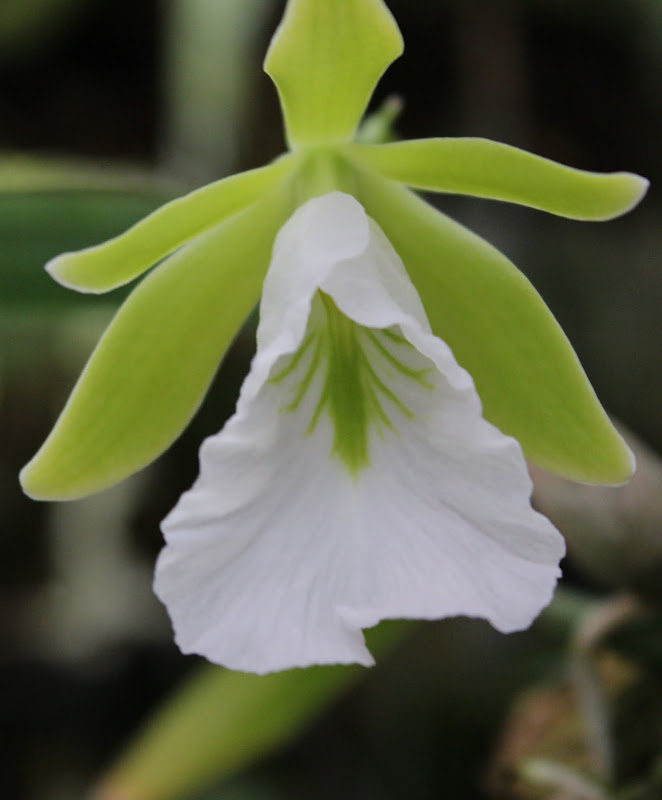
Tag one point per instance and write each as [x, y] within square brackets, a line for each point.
[367, 473]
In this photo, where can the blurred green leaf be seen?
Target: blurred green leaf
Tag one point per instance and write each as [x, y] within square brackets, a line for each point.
[22, 172]
[222, 721]
[24, 24]
[34, 227]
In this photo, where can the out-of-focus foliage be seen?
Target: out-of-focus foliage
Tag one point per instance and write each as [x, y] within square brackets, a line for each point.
[222, 721]
[35, 225]
[48, 206]
[597, 734]
[209, 80]
[27, 24]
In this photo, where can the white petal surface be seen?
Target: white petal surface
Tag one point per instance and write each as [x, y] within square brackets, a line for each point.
[280, 554]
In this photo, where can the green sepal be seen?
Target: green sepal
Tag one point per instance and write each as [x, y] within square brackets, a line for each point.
[325, 59]
[155, 361]
[118, 261]
[528, 376]
[483, 168]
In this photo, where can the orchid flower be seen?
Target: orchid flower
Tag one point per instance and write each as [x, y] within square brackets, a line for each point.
[375, 465]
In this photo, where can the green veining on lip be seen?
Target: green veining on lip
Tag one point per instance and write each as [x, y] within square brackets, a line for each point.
[359, 366]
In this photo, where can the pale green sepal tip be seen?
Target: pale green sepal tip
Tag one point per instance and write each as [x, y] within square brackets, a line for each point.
[122, 259]
[154, 363]
[483, 168]
[530, 381]
[326, 58]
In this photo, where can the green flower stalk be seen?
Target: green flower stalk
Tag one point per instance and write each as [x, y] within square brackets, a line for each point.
[371, 469]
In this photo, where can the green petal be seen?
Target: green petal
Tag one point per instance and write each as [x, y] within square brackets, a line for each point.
[325, 59]
[526, 372]
[120, 260]
[153, 365]
[484, 168]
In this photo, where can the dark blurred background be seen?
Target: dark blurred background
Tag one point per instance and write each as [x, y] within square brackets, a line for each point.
[170, 95]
